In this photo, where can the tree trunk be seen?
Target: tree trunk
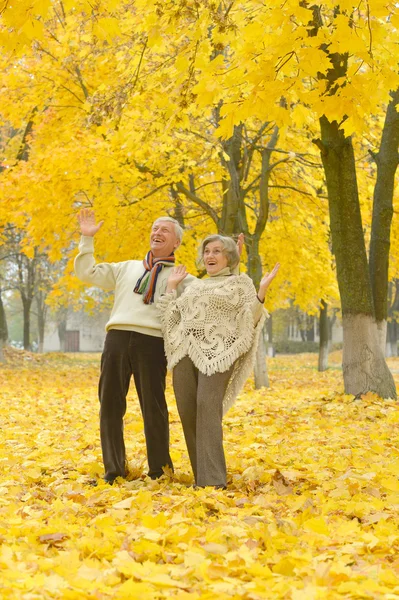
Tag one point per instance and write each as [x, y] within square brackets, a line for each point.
[260, 369]
[41, 325]
[323, 345]
[26, 303]
[331, 322]
[393, 313]
[382, 335]
[300, 325]
[269, 326]
[392, 339]
[41, 318]
[178, 212]
[3, 329]
[387, 161]
[62, 325]
[3, 321]
[309, 328]
[231, 219]
[255, 273]
[364, 367]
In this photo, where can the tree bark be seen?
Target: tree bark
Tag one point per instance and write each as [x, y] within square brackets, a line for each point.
[269, 325]
[178, 212]
[62, 326]
[41, 326]
[364, 367]
[300, 325]
[393, 313]
[392, 339]
[387, 162]
[254, 267]
[309, 328]
[231, 220]
[3, 321]
[3, 329]
[41, 317]
[26, 304]
[324, 335]
[260, 369]
[331, 322]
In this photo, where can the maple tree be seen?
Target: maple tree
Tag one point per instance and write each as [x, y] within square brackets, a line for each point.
[254, 63]
[21, 274]
[113, 100]
[246, 188]
[28, 272]
[346, 65]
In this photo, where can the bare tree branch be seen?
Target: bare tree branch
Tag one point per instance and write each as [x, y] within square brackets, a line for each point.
[197, 200]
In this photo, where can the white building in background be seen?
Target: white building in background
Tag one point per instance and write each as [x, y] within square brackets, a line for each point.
[84, 333]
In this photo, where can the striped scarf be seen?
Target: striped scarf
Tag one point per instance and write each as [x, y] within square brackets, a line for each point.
[148, 281]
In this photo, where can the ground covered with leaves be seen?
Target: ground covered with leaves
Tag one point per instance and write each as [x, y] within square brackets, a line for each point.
[311, 509]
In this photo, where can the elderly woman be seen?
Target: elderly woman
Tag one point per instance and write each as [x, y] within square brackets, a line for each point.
[211, 334]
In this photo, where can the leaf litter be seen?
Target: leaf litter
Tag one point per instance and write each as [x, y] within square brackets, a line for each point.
[311, 509]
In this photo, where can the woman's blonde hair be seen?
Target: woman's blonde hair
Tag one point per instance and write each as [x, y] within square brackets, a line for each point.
[229, 249]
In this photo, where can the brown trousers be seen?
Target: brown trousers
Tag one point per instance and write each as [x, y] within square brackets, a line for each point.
[128, 353]
[199, 401]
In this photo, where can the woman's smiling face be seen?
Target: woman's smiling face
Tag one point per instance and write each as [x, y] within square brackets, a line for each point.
[214, 257]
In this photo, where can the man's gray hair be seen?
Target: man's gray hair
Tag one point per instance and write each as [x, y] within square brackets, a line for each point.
[178, 227]
[229, 249]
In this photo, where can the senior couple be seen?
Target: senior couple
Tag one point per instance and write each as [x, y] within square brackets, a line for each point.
[206, 330]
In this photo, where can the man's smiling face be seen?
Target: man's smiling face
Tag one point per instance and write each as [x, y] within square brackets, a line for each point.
[163, 239]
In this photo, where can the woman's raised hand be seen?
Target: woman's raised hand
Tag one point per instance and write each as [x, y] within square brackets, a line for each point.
[266, 281]
[240, 243]
[176, 276]
[87, 222]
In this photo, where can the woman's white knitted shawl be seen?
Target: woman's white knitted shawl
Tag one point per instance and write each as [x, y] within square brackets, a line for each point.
[212, 322]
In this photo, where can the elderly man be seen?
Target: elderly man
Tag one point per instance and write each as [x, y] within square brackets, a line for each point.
[134, 343]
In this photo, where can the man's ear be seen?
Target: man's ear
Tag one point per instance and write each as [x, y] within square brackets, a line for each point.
[177, 244]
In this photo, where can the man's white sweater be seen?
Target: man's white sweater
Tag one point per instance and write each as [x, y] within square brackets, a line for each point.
[129, 312]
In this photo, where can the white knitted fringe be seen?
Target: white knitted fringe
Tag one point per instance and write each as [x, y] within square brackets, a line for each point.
[218, 364]
[243, 368]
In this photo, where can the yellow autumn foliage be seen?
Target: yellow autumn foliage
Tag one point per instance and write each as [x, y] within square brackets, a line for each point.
[310, 511]
[123, 97]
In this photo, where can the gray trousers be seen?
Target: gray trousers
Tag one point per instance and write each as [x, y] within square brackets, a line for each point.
[199, 400]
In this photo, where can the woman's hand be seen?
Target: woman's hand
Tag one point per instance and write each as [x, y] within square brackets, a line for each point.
[266, 281]
[87, 222]
[177, 275]
[240, 243]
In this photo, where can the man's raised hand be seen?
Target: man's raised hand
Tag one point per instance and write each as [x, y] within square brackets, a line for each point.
[87, 222]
